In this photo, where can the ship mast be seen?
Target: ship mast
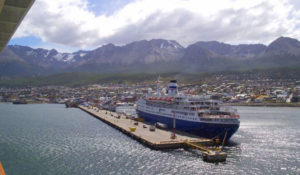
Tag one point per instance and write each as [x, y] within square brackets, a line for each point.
[158, 86]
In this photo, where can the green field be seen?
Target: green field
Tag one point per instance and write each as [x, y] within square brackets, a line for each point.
[79, 78]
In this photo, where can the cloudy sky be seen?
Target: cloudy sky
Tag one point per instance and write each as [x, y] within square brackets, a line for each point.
[70, 25]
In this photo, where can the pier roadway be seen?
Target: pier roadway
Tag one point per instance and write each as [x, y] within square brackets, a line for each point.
[158, 139]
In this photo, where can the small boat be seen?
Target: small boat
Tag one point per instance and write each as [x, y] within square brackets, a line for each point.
[19, 102]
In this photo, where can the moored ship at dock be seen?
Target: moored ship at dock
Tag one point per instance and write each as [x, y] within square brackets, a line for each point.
[189, 113]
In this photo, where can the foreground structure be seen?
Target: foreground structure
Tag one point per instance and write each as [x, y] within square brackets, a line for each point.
[12, 13]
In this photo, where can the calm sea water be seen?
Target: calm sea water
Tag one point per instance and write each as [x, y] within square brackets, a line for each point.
[50, 139]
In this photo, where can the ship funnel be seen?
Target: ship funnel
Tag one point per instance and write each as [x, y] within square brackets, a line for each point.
[173, 87]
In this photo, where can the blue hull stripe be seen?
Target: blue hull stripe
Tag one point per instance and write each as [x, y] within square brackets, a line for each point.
[206, 130]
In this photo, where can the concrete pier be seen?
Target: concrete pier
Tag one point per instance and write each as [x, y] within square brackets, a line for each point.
[158, 139]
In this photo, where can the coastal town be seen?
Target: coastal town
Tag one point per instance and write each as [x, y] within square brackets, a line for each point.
[265, 92]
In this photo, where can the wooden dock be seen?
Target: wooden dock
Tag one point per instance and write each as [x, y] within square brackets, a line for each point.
[158, 139]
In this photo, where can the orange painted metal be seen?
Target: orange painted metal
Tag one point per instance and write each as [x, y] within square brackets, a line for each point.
[2, 172]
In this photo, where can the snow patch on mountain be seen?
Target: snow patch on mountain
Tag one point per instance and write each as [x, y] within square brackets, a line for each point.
[58, 57]
[29, 52]
[162, 45]
[47, 53]
[68, 58]
[82, 54]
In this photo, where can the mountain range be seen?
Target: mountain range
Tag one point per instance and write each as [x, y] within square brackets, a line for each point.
[156, 55]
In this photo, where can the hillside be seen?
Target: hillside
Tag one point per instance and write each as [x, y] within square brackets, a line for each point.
[153, 56]
[79, 79]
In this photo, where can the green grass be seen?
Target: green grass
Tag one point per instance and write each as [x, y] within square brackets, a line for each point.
[76, 79]
[80, 78]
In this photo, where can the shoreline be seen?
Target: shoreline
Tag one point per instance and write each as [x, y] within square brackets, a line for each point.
[31, 103]
[264, 104]
[226, 104]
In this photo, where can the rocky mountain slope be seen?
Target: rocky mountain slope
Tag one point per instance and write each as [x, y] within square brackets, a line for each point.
[156, 55]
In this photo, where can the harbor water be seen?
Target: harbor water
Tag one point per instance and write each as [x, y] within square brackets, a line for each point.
[51, 139]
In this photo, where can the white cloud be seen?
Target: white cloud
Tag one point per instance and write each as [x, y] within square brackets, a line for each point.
[72, 23]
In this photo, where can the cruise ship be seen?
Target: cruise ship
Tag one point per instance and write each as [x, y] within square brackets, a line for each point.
[197, 115]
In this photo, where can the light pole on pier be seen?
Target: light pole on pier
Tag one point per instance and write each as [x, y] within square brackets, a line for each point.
[173, 135]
